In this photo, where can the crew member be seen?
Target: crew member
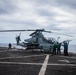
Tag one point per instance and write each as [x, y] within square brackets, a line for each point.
[54, 49]
[58, 48]
[65, 44]
[18, 39]
[9, 46]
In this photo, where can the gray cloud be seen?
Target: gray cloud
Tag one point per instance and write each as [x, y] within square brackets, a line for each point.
[43, 2]
[35, 14]
[40, 1]
[44, 12]
[7, 6]
[67, 5]
[70, 3]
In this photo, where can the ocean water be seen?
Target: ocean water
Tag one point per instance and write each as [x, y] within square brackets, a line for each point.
[71, 48]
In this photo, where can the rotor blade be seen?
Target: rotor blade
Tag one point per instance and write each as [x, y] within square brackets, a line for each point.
[43, 30]
[15, 30]
[59, 33]
[47, 31]
[11, 30]
[56, 29]
[34, 30]
[63, 34]
[32, 33]
[68, 40]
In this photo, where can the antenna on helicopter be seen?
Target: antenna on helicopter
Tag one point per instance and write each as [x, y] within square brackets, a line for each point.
[20, 34]
[58, 39]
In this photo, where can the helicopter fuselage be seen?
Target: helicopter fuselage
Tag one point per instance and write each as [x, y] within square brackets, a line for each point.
[38, 41]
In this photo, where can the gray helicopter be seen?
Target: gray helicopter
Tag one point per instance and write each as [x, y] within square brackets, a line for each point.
[37, 40]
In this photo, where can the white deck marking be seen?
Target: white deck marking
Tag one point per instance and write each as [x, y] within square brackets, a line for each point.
[23, 63]
[43, 68]
[21, 56]
[4, 51]
[68, 57]
[62, 64]
[20, 63]
[10, 50]
[66, 61]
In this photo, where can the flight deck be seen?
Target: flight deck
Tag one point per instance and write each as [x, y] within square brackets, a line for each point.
[22, 62]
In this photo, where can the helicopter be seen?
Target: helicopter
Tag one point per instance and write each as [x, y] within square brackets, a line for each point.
[37, 40]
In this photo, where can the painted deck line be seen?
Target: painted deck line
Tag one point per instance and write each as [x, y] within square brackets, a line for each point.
[43, 68]
[66, 61]
[68, 57]
[20, 63]
[21, 56]
[62, 64]
[6, 50]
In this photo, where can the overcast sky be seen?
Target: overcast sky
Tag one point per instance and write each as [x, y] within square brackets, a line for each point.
[38, 14]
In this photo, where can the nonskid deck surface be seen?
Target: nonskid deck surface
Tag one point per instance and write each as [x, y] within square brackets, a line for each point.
[21, 62]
